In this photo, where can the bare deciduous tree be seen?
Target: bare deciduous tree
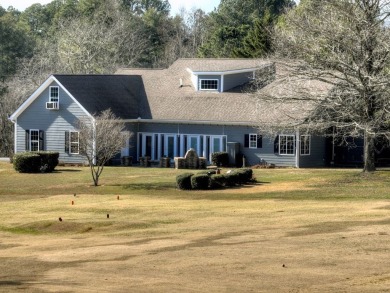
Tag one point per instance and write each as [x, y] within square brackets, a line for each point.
[92, 47]
[344, 45]
[101, 137]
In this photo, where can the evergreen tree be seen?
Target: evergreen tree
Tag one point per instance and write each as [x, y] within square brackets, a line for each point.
[233, 28]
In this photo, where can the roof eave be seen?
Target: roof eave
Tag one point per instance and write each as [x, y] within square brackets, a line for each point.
[225, 72]
[197, 122]
[36, 94]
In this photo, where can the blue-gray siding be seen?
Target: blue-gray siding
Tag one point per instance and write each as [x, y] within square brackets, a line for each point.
[54, 123]
[234, 80]
[237, 134]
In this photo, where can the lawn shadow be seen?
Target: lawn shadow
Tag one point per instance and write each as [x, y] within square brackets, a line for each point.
[66, 170]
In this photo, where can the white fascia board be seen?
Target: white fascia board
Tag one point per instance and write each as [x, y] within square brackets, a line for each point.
[198, 122]
[31, 98]
[224, 72]
[36, 94]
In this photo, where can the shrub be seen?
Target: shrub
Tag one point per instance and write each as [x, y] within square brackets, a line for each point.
[200, 181]
[183, 181]
[217, 181]
[232, 178]
[207, 172]
[239, 176]
[34, 162]
[27, 162]
[245, 175]
[220, 159]
[49, 160]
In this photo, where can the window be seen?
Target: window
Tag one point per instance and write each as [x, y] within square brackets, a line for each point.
[54, 94]
[305, 144]
[34, 140]
[72, 143]
[286, 144]
[253, 141]
[209, 84]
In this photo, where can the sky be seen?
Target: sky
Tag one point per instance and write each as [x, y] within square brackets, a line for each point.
[206, 5]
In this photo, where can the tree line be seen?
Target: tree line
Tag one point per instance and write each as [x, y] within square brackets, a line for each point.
[97, 37]
[343, 44]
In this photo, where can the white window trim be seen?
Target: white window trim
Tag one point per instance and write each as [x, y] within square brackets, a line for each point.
[301, 143]
[31, 141]
[70, 142]
[50, 97]
[202, 89]
[250, 135]
[294, 146]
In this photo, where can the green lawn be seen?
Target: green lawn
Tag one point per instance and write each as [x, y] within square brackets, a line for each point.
[156, 182]
[296, 230]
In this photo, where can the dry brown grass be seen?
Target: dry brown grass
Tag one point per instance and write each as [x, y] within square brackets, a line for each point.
[171, 241]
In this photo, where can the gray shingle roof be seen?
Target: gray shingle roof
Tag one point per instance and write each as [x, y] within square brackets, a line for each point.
[124, 94]
[168, 101]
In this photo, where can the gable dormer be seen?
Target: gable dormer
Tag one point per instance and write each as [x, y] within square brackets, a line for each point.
[222, 79]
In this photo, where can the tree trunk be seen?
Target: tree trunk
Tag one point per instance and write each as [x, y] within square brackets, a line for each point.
[369, 152]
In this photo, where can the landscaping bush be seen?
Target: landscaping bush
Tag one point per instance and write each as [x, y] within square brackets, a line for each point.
[49, 160]
[27, 162]
[220, 159]
[217, 181]
[34, 162]
[245, 175]
[200, 181]
[232, 178]
[183, 181]
[207, 172]
[239, 176]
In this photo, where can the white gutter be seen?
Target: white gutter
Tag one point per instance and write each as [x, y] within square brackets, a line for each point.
[227, 71]
[202, 122]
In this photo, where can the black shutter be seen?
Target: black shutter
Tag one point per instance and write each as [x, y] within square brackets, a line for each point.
[27, 140]
[246, 141]
[276, 145]
[41, 140]
[259, 141]
[67, 142]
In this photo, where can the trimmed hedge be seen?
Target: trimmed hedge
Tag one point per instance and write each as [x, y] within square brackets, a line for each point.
[200, 181]
[49, 159]
[27, 162]
[217, 181]
[183, 181]
[239, 177]
[209, 180]
[34, 162]
[220, 159]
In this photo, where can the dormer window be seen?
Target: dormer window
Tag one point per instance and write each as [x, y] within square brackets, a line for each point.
[208, 84]
[54, 94]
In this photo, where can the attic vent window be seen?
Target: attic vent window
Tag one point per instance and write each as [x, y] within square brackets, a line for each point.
[54, 93]
[209, 84]
[53, 98]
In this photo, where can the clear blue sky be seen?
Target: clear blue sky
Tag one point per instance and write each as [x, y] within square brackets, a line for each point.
[206, 5]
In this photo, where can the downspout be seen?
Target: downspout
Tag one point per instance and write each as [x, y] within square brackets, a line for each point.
[297, 148]
[15, 135]
[94, 141]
